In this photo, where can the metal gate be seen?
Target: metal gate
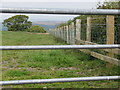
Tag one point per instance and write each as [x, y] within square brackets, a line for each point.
[41, 47]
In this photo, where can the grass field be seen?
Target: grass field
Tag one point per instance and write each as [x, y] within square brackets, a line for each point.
[44, 64]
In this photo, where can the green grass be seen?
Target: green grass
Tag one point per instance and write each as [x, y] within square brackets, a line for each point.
[17, 73]
[44, 64]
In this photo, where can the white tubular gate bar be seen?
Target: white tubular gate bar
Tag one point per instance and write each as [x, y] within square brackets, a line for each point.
[60, 11]
[45, 47]
[77, 79]
[63, 11]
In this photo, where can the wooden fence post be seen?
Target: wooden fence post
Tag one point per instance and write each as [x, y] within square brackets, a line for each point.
[72, 33]
[110, 29]
[88, 38]
[67, 34]
[110, 33]
[56, 33]
[60, 32]
[78, 30]
[64, 33]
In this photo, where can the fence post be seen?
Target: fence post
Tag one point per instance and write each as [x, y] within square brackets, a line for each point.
[61, 33]
[88, 38]
[58, 32]
[78, 30]
[110, 32]
[64, 33]
[72, 33]
[110, 29]
[67, 34]
[55, 33]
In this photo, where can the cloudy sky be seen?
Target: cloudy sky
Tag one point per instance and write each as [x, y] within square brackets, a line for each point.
[62, 4]
[51, 0]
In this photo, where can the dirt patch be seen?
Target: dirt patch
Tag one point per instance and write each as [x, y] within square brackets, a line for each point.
[62, 68]
[68, 68]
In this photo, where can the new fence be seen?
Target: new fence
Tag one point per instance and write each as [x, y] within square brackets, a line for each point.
[72, 36]
[89, 32]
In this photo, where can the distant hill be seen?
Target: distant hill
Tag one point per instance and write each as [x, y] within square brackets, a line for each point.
[47, 24]
[46, 27]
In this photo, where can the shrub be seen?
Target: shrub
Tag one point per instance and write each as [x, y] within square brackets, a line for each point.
[36, 28]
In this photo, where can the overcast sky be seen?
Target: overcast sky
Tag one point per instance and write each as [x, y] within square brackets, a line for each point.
[62, 4]
[51, 0]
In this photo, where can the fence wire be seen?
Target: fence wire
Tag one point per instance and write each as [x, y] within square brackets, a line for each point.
[99, 33]
[83, 29]
[117, 29]
[98, 30]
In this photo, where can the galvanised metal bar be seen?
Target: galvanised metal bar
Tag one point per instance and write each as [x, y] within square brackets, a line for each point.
[43, 47]
[59, 80]
[63, 11]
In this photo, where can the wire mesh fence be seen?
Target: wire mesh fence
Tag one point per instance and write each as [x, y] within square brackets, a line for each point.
[117, 29]
[98, 30]
[83, 29]
[94, 30]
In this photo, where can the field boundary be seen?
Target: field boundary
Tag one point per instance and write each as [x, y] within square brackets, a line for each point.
[72, 35]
